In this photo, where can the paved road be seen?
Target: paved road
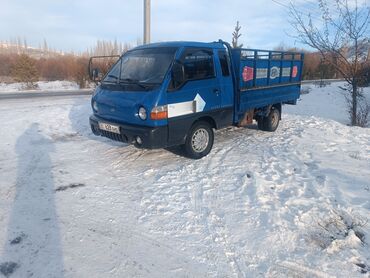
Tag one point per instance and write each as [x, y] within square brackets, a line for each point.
[25, 94]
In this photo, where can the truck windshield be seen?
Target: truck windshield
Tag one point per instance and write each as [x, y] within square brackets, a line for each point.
[142, 68]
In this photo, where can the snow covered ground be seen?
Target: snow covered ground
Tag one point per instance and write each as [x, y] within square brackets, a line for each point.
[41, 86]
[326, 102]
[294, 203]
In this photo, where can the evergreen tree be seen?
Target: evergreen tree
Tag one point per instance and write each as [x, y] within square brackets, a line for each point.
[24, 70]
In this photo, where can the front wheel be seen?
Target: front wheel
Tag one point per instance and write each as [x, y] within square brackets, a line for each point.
[199, 140]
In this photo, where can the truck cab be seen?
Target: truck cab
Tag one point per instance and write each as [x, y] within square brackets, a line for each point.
[176, 93]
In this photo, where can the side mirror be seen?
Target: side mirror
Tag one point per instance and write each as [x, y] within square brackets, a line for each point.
[178, 74]
[95, 74]
[99, 66]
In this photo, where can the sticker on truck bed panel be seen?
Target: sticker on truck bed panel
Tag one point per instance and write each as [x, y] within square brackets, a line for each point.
[248, 74]
[261, 73]
[274, 73]
[295, 72]
[286, 72]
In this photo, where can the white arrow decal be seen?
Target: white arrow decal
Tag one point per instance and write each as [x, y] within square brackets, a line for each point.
[200, 103]
[186, 108]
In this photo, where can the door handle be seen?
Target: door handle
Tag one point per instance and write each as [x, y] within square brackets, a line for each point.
[216, 91]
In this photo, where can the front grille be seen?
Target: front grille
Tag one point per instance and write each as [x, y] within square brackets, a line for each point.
[114, 136]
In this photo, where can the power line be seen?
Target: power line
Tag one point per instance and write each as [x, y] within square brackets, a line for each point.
[281, 4]
[290, 6]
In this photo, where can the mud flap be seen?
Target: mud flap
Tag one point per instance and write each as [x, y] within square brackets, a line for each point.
[247, 118]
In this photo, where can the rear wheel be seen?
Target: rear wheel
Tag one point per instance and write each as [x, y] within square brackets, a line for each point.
[261, 123]
[271, 122]
[199, 140]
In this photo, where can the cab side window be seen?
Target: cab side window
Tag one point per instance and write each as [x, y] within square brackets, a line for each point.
[224, 62]
[198, 64]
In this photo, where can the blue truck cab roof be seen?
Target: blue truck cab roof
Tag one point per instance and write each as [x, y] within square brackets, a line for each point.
[212, 45]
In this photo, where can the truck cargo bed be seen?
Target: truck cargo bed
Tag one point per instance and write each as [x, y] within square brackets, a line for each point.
[265, 77]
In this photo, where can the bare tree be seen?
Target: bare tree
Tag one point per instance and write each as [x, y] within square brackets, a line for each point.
[236, 36]
[341, 35]
[103, 47]
[45, 46]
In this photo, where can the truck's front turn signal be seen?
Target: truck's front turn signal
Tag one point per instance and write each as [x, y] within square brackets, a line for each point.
[159, 113]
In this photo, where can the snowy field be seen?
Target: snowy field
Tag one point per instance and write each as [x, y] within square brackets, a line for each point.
[40, 86]
[327, 102]
[294, 203]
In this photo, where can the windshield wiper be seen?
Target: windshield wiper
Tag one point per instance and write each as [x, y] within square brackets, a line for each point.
[133, 81]
[111, 76]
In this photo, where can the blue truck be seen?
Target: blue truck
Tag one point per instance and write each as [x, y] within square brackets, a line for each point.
[176, 93]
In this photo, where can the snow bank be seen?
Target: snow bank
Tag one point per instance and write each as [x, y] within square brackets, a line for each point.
[41, 86]
[326, 102]
[57, 85]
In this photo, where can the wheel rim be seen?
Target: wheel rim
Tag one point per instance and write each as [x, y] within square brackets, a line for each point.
[200, 140]
[274, 119]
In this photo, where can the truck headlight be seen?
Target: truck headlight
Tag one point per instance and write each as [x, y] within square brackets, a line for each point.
[95, 106]
[142, 113]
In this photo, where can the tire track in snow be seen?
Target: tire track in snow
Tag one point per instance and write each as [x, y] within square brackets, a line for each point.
[204, 215]
[200, 180]
[214, 221]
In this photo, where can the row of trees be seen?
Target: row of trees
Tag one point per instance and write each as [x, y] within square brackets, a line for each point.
[20, 63]
[23, 68]
[318, 66]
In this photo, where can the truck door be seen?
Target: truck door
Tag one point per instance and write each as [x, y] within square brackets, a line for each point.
[199, 95]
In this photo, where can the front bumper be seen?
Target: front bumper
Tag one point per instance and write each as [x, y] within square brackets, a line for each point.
[151, 137]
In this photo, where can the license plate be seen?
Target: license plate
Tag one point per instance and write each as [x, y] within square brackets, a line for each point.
[110, 128]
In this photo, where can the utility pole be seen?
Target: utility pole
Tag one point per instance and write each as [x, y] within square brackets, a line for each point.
[146, 21]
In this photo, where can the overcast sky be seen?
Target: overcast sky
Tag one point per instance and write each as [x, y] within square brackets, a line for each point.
[77, 24]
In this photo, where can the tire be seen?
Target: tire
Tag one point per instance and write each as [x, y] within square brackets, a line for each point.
[272, 120]
[199, 140]
[261, 123]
